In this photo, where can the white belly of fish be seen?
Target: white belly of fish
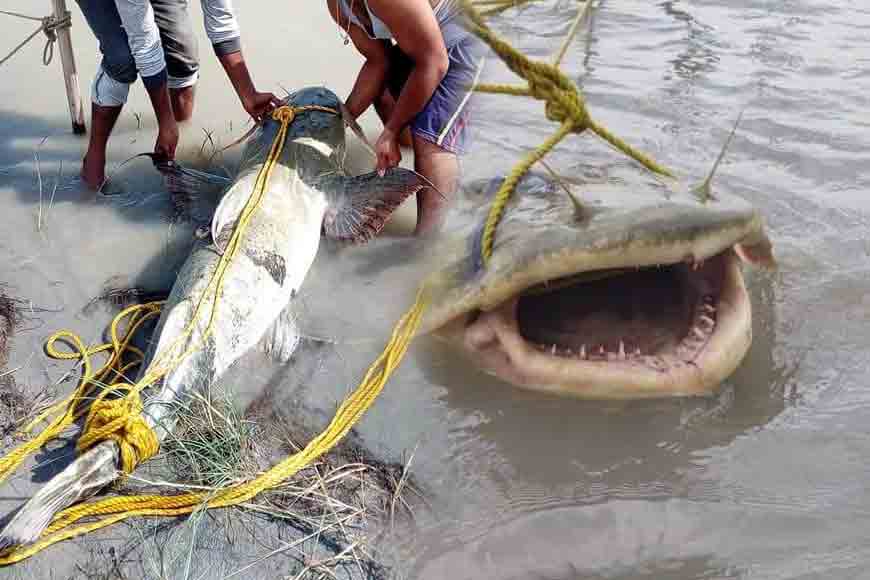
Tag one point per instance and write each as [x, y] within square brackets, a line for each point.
[276, 250]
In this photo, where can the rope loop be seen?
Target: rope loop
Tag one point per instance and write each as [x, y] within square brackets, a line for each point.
[50, 26]
[51, 38]
[70, 339]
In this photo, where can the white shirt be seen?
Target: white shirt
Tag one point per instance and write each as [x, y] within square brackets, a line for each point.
[137, 18]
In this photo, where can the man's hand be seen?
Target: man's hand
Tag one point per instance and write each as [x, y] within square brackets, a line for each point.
[167, 126]
[259, 104]
[167, 141]
[387, 150]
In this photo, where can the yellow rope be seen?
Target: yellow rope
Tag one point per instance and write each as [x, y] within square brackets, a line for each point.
[564, 105]
[115, 509]
[73, 407]
[120, 418]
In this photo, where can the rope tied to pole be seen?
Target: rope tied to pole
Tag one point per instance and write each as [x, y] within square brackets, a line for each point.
[49, 25]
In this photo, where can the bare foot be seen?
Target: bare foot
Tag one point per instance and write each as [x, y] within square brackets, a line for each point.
[93, 172]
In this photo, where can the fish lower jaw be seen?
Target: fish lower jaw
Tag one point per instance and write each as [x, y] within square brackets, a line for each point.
[717, 336]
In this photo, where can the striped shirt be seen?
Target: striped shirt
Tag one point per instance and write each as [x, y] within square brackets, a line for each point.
[137, 18]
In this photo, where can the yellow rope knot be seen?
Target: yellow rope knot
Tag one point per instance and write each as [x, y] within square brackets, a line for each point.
[121, 421]
[284, 114]
[565, 106]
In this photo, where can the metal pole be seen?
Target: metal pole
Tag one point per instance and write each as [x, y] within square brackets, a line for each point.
[70, 76]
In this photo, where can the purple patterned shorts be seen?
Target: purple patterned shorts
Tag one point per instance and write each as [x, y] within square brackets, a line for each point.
[445, 118]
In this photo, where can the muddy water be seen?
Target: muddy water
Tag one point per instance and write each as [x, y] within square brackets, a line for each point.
[764, 480]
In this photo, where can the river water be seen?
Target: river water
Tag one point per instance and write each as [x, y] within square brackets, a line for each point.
[767, 479]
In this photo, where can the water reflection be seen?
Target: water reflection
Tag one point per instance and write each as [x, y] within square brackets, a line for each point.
[697, 57]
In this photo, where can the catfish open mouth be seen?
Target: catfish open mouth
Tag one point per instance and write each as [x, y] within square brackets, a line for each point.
[666, 311]
[670, 329]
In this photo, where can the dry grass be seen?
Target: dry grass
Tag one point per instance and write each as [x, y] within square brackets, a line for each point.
[18, 406]
[212, 445]
[329, 511]
[9, 319]
[104, 564]
[42, 212]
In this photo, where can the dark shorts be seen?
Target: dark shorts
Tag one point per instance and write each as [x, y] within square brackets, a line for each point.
[176, 35]
[444, 120]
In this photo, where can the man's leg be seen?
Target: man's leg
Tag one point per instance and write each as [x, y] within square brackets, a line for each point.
[94, 163]
[182, 102]
[181, 51]
[110, 86]
[440, 135]
[441, 167]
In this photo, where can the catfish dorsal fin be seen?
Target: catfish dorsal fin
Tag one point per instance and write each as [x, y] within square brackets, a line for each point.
[703, 191]
[360, 206]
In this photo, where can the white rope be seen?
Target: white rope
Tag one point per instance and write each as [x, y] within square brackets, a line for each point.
[49, 25]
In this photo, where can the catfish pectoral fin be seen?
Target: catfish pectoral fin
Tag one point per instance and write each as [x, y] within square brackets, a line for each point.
[360, 206]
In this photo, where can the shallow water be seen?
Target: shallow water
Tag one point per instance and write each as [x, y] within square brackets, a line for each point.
[764, 480]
